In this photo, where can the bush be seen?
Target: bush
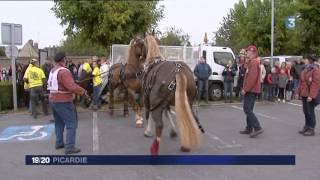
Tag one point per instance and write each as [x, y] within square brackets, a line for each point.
[6, 95]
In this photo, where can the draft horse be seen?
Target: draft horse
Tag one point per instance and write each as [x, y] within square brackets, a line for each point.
[165, 84]
[129, 76]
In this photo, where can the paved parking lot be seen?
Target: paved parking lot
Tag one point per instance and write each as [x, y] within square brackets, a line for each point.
[100, 134]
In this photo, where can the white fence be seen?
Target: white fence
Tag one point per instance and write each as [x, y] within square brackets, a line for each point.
[189, 55]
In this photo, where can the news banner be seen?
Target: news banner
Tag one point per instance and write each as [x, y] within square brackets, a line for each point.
[160, 160]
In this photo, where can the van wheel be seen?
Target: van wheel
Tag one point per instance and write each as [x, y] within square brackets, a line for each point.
[215, 92]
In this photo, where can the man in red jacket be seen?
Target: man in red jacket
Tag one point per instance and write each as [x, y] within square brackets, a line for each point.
[62, 87]
[251, 88]
[308, 90]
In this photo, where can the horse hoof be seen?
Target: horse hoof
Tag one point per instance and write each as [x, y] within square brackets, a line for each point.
[139, 123]
[173, 134]
[147, 134]
[154, 149]
[184, 149]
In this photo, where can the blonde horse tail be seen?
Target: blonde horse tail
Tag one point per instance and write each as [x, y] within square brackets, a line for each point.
[190, 135]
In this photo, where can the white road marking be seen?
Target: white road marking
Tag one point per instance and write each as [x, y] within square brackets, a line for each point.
[268, 117]
[95, 132]
[260, 114]
[300, 105]
[224, 144]
[294, 104]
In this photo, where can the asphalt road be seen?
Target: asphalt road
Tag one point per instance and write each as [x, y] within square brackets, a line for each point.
[105, 135]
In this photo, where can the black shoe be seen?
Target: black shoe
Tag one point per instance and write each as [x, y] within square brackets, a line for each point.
[73, 150]
[256, 132]
[59, 146]
[303, 130]
[309, 132]
[246, 131]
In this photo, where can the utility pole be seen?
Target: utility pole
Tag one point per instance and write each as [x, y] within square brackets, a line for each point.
[272, 32]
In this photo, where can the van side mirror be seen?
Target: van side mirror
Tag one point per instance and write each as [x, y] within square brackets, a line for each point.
[214, 73]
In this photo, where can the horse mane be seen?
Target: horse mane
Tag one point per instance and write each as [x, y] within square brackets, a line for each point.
[132, 58]
[153, 49]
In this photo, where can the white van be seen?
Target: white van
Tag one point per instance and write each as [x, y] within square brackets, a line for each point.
[217, 57]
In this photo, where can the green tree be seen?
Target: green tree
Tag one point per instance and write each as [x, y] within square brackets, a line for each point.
[74, 46]
[309, 21]
[249, 22]
[107, 22]
[174, 37]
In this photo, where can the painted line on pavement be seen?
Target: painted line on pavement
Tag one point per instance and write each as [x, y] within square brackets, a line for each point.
[300, 105]
[294, 104]
[260, 114]
[95, 132]
[268, 117]
[224, 144]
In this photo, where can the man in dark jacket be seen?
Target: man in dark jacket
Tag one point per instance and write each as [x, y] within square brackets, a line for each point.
[228, 79]
[295, 72]
[202, 71]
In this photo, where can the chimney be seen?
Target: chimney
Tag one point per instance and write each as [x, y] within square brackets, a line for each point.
[35, 46]
[30, 42]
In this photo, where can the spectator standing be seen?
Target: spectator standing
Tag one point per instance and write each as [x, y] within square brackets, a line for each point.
[308, 90]
[228, 79]
[295, 72]
[282, 83]
[104, 69]
[262, 77]
[97, 82]
[203, 71]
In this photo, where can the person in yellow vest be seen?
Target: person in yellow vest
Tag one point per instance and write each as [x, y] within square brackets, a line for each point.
[26, 85]
[97, 82]
[35, 79]
[86, 67]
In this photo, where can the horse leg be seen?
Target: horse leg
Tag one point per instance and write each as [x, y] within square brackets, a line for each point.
[147, 132]
[126, 104]
[157, 117]
[135, 107]
[139, 119]
[173, 131]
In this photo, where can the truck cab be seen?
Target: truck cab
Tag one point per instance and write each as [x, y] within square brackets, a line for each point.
[217, 57]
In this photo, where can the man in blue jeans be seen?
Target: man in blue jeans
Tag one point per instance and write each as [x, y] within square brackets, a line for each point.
[251, 89]
[202, 71]
[62, 86]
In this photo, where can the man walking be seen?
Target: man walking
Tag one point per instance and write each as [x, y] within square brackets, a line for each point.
[62, 87]
[251, 89]
[202, 71]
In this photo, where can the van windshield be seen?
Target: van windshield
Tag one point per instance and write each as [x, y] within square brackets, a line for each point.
[223, 58]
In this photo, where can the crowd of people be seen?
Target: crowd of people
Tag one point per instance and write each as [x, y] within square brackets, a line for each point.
[257, 79]
[35, 79]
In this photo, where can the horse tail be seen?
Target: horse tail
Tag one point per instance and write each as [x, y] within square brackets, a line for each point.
[189, 131]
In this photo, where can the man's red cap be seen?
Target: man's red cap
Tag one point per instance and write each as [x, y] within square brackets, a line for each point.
[252, 48]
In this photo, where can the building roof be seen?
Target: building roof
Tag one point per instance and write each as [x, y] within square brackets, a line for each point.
[29, 50]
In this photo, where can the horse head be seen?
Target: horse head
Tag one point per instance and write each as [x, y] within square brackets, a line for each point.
[137, 49]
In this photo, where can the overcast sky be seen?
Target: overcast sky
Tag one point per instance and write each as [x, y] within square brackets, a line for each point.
[194, 17]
